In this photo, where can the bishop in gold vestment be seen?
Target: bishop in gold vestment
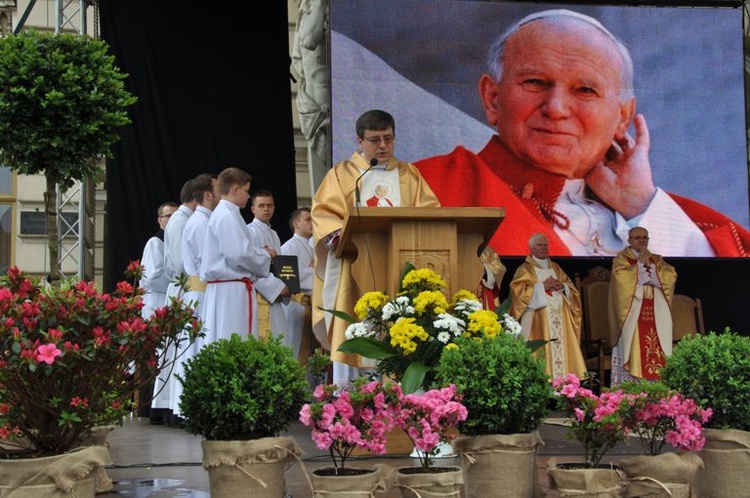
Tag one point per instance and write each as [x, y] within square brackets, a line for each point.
[548, 306]
[640, 299]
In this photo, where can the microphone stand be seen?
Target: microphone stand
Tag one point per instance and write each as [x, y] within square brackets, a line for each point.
[373, 163]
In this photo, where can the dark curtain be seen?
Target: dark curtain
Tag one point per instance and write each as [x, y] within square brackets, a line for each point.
[213, 88]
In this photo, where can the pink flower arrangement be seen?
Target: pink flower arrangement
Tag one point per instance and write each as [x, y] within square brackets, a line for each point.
[599, 423]
[430, 419]
[666, 416]
[67, 354]
[355, 416]
[649, 410]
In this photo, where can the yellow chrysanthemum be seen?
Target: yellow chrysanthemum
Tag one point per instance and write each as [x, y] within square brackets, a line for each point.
[430, 300]
[405, 334]
[463, 294]
[451, 345]
[423, 278]
[370, 302]
[484, 321]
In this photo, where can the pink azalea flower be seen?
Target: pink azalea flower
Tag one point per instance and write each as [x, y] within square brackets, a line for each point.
[82, 347]
[358, 416]
[430, 419]
[47, 353]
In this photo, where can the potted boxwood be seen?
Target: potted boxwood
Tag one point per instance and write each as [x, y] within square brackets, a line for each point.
[239, 394]
[506, 391]
[714, 370]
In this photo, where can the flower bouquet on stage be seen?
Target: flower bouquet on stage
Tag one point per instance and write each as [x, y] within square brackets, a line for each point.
[408, 333]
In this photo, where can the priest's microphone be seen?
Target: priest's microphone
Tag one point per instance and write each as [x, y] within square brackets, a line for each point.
[373, 163]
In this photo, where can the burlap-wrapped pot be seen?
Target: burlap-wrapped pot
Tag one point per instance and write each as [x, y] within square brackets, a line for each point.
[504, 463]
[576, 480]
[98, 437]
[249, 468]
[714, 370]
[364, 484]
[726, 460]
[70, 475]
[661, 476]
[440, 482]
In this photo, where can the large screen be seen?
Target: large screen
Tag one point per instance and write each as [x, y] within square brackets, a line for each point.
[422, 60]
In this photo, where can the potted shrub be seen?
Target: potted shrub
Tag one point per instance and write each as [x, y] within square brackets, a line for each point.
[664, 416]
[239, 394]
[358, 415]
[714, 370]
[430, 419]
[67, 357]
[61, 108]
[599, 423]
[506, 391]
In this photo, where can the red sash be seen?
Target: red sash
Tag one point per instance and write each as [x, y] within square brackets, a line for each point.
[249, 287]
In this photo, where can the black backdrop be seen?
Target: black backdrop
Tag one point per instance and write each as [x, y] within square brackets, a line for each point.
[213, 88]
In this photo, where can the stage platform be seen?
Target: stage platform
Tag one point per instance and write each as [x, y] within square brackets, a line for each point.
[156, 461]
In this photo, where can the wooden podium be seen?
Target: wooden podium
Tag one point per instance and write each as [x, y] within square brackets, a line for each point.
[445, 239]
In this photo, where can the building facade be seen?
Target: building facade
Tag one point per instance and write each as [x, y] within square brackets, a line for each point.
[23, 239]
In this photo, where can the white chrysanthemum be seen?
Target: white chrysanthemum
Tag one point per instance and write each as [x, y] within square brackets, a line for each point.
[444, 337]
[467, 306]
[398, 308]
[450, 323]
[359, 329]
[511, 325]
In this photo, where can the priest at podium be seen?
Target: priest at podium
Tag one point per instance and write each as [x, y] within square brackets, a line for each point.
[371, 171]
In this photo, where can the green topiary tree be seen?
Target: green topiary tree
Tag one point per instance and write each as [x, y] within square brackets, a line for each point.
[714, 370]
[503, 385]
[62, 100]
[241, 389]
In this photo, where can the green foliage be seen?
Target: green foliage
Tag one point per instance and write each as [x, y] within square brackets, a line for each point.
[714, 370]
[504, 307]
[317, 365]
[236, 389]
[62, 100]
[503, 385]
[652, 391]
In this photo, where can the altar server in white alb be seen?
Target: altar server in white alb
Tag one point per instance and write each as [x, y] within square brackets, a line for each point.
[192, 240]
[232, 262]
[298, 310]
[173, 268]
[154, 284]
[271, 290]
[153, 281]
[205, 193]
